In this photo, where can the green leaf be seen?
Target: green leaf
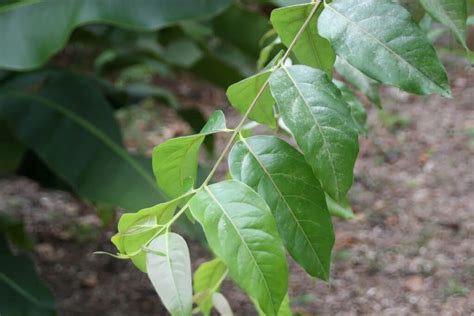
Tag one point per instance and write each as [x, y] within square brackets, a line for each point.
[21, 290]
[311, 49]
[207, 280]
[285, 308]
[171, 274]
[340, 209]
[136, 229]
[221, 304]
[314, 111]
[452, 13]
[242, 93]
[66, 121]
[379, 38]
[241, 231]
[280, 174]
[28, 39]
[358, 113]
[12, 150]
[175, 161]
[366, 85]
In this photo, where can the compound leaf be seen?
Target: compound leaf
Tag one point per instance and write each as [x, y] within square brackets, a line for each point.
[241, 231]
[170, 273]
[311, 49]
[280, 174]
[379, 38]
[313, 109]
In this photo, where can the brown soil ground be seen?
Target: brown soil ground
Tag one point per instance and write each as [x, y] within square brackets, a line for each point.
[410, 249]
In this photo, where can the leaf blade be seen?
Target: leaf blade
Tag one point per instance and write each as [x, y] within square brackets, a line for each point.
[319, 119]
[280, 174]
[452, 13]
[311, 49]
[171, 274]
[241, 231]
[390, 46]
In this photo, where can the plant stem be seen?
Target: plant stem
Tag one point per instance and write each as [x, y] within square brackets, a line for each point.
[237, 130]
[259, 94]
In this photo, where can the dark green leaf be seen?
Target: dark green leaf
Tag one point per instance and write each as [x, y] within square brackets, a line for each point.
[358, 113]
[311, 49]
[29, 37]
[241, 231]
[67, 122]
[12, 150]
[314, 111]
[280, 174]
[380, 38]
[366, 85]
[21, 290]
[452, 13]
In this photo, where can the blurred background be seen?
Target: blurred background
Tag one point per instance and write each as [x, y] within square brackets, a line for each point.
[87, 91]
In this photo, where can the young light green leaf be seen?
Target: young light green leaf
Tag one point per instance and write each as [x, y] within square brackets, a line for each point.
[379, 38]
[175, 161]
[136, 229]
[280, 174]
[171, 274]
[313, 109]
[358, 113]
[207, 280]
[340, 209]
[366, 85]
[311, 49]
[285, 308]
[452, 13]
[221, 304]
[242, 94]
[241, 231]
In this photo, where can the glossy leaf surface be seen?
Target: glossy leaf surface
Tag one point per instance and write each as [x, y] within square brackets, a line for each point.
[452, 13]
[280, 174]
[358, 113]
[241, 231]
[313, 109]
[170, 273]
[380, 38]
[311, 49]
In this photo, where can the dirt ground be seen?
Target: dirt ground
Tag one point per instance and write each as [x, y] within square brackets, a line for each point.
[409, 251]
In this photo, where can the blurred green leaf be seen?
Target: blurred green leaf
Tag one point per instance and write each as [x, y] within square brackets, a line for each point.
[32, 31]
[67, 122]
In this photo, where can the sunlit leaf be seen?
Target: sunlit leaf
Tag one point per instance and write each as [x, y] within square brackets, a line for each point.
[241, 231]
